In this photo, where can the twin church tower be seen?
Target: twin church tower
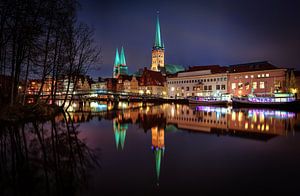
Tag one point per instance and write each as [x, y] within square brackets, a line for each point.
[158, 55]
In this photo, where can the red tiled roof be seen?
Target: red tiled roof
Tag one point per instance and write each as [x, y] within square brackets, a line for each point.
[152, 78]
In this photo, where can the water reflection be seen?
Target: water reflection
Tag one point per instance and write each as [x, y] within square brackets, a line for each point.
[158, 147]
[257, 124]
[249, 123]
[44, 158]
[119, 132]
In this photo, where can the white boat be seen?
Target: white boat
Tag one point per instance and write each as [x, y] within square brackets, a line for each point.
[208, 100]
[278, 100]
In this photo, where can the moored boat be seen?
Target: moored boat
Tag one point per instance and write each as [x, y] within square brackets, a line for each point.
[274, 101]
[208, 101]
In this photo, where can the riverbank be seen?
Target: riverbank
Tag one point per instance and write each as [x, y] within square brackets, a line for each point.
[19, 113]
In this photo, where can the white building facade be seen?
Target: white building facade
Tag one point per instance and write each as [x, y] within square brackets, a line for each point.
[197, 83]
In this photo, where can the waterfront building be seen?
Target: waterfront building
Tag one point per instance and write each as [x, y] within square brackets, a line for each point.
[198, 81]
[33, 86]
[256, 78]
[64, 83]
[131, 86]
[100, 85]
[158, 50]
[152, 83]
[83, 83]
[111, 84]
[236, 80]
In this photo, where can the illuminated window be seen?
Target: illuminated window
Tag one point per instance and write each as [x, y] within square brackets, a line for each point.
[262, 75]
[267, 75]
[247, 86]
[254, 85]
[240, 85]
[252, 76]
[261, 85]
[246, 76]
[233, 86]
[172, 88]
[258, 75]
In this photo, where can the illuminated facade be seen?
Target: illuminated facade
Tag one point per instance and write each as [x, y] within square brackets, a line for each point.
[83, 84]
[158, 50]
[265, 81]
[33, 86]
[131, 86]
[152, 83]
[197, 83]
[102, 85]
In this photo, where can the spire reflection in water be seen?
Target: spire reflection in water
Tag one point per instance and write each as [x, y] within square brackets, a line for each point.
[132, 129]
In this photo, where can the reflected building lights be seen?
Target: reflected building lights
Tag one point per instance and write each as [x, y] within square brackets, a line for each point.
[158, 147]
[211, 119]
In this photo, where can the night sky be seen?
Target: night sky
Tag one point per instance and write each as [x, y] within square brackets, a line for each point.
[198, 32]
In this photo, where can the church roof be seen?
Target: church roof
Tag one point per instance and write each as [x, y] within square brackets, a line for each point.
[172, 69]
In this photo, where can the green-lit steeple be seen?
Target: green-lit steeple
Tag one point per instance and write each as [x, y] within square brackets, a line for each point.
[117, 58]
[158, 42]
[122, 57]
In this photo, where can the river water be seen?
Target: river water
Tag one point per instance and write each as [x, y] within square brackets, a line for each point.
[143, 149]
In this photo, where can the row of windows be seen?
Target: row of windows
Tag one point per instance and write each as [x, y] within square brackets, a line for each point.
[252, 76]
[199, 80]
[247, 85]
[208, 87]
[154, 56]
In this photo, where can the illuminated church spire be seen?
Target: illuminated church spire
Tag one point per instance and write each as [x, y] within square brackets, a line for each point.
[122, 57]
[116, 64]
[120, 67]
[158, 42]
[117, 58]
[158, 49]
